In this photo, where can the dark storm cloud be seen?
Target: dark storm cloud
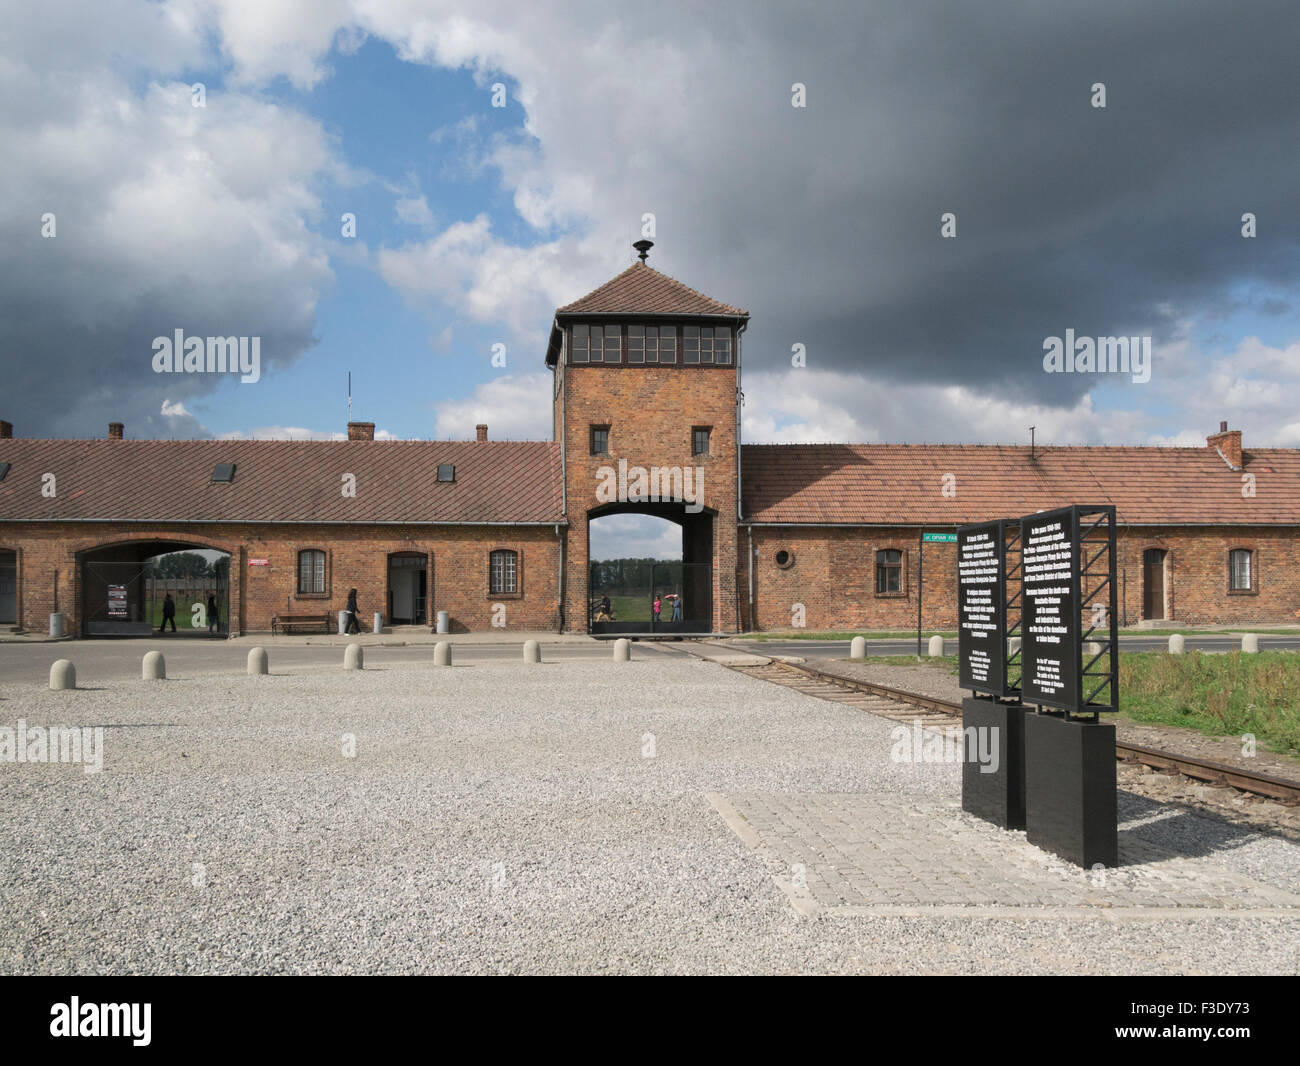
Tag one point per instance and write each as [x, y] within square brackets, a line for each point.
[1113, 221]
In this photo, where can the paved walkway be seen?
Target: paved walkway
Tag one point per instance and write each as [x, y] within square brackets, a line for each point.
[882, 853]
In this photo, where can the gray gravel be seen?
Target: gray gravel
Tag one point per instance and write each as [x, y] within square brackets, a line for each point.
[496, 818]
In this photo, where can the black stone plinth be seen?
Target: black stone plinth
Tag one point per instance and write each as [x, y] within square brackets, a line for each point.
[999, 796]
[1070, 807]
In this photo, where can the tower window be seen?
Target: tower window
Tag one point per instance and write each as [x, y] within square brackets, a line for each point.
[700, 440]
[691, 344]
[600, 440]
[606, 344]
[581, 348]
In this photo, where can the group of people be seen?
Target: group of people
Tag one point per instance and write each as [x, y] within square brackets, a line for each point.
[169, 614]
[605, 612]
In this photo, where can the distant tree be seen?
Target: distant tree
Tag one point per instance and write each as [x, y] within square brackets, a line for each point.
[220, 568]
[180, 564]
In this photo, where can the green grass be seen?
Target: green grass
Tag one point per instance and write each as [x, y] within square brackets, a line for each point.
[951, 634]
[1219, 695]
[1227, 694]
[799, 634]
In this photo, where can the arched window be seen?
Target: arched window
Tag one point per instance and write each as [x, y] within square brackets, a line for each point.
[503, 573]
[311, 572]
[1241, 570]
[889, 572]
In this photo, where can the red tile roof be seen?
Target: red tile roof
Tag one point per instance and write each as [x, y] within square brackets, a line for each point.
[282, 481]
[641, 289]
[902, 484]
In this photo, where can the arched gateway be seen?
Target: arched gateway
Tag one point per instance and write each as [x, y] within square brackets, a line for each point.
[646, 402]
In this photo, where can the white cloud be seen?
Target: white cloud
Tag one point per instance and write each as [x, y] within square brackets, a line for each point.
[514, 407]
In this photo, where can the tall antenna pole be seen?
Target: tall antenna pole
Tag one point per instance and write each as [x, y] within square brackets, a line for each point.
[349, 395]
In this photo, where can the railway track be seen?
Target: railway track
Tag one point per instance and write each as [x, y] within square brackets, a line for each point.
[910, 708]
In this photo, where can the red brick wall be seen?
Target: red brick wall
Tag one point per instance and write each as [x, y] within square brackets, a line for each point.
[833, 577]
[355, 557]
[651, 411]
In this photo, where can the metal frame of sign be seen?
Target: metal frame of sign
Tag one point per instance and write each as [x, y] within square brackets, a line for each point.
[1091, 531]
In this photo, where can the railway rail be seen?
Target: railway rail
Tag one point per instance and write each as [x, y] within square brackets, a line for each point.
[911, 707]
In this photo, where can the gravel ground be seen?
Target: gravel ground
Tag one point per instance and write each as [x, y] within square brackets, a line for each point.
[498, 818]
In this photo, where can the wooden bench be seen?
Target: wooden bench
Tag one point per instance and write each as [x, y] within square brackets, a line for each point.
[288, 623]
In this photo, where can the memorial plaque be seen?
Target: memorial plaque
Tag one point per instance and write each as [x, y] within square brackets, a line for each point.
[981, 607]
[117, 607]
[1050, 645]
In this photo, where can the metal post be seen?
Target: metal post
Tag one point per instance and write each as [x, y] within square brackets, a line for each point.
[920, 583]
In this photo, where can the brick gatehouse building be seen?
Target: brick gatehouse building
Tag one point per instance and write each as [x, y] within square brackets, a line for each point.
[647, 377]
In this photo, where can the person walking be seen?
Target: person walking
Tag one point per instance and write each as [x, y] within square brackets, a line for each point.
[657, 607]
[214, 621]
[169, 613]
[677, 607]
[353, 625]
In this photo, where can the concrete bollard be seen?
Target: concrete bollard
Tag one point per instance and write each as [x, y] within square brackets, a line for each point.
[1092, 648]
[936, 645]
[858, 649]
[622, 650]
[258, 661]
[1176, 644]
[442, 653]
[154, 667]
[1249, 642]
[63, 675]
[353, 657]
[1013, 645]
[532, 652]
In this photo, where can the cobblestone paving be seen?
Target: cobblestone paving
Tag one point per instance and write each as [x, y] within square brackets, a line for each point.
[881, 850]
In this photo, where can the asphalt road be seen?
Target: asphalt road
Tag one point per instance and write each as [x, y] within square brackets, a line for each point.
[832, 649]
[111, 660]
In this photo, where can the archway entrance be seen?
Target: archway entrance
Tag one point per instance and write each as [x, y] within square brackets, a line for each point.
[1153, 583]
[125, 588]
[641, 554]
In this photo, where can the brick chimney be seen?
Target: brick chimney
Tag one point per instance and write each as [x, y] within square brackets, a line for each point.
[115, 430]
[481, 430]
[361, 431]
[1228, 443]
[6, 429]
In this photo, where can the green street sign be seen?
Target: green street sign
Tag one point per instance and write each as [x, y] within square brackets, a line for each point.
[939, 538]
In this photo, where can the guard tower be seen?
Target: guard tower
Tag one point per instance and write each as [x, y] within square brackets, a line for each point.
[646, 409]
